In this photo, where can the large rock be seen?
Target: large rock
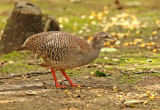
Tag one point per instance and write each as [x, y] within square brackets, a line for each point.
[25, 20]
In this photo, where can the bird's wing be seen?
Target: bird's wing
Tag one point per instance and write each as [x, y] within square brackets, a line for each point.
[56, 47]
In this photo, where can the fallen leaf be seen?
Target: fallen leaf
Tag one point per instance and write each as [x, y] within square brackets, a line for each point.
[133, 102]
[30, 92]
[6, 101]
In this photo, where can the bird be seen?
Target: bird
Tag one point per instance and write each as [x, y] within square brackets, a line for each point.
[62, 51]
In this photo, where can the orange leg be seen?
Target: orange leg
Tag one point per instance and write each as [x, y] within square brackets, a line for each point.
[55, 79]
[69, 80]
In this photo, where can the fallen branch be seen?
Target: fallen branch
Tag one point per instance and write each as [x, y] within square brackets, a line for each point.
[30, 74]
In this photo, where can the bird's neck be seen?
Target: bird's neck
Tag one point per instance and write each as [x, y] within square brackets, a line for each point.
[92, 53]
[97, 45]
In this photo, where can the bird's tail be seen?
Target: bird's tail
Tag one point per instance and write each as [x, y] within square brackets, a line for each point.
[22, 48]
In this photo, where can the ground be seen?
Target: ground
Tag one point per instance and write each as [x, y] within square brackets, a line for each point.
[131, 66]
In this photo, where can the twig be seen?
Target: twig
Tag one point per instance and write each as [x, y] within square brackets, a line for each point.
[32, 73]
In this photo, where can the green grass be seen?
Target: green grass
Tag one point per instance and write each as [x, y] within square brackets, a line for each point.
[102, 60]
[134, 78]
[127, 58]
[17, 68]
[15, 55]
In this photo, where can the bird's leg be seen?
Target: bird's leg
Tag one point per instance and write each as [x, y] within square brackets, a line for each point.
[55, 79]
[69, 80]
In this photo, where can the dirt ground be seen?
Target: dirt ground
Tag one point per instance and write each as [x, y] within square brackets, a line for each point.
[38, 92]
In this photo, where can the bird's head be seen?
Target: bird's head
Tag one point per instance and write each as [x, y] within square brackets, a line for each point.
[103, 37]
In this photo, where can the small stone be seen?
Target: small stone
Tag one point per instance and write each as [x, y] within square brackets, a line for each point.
[149, 60]
[115, 59]
[30, 92]
[11, 75]
[36, 79]
[106, 58]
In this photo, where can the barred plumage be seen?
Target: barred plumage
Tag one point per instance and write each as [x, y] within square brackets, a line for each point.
[65, 51]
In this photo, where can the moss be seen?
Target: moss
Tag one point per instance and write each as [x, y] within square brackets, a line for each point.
[28, 52]
[129, 79]
[17, 68]
[107, 61]
[75, 72]
[15, 55]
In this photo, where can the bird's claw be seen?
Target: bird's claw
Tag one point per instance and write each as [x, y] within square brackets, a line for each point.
[60, 86]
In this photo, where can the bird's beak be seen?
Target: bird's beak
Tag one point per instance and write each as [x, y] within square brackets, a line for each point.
[111, 40]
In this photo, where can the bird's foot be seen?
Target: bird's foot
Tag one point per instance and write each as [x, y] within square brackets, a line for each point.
[60, 86]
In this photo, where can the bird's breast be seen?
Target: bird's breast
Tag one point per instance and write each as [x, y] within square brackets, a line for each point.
[72, 60]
